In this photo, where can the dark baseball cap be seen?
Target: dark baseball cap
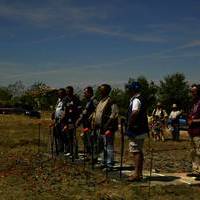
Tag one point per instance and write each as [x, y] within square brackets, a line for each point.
[134, 86]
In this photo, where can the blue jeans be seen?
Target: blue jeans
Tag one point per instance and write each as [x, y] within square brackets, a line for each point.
[108, 151]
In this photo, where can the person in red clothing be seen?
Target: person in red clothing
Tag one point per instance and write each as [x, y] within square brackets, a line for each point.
[194, 131]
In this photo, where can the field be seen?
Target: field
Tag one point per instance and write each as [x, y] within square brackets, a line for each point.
[27, 170]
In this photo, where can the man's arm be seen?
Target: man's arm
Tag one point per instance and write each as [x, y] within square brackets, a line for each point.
[136, 105]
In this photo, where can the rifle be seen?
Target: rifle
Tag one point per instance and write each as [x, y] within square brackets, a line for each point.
[74, 144]
[55, 138]
[122, 145]
[39, 139]
[51, 141]
[106, 156]
[92, 146]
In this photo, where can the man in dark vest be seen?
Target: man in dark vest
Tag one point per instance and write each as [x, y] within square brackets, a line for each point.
[137, 128]
[72, 113]
[86, 118]
[105, 124]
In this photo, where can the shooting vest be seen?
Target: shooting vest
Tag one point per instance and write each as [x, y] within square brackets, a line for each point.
[140, 126]
[102, 116]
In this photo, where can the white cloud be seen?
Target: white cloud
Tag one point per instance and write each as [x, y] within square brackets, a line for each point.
[70, 18]
[52, 14]
[116, 32]
[191, 44]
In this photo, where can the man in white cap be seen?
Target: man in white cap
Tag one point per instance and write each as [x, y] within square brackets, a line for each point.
[137, 128]
[174, 120]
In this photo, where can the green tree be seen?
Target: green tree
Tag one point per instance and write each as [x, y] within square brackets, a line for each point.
[174, 89]
[5, 96]
[17, 89]
[39, 96]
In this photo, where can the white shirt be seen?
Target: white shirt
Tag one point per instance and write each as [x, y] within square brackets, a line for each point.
[158, 112]
[135, 103]
[174, 114]
[59, 111]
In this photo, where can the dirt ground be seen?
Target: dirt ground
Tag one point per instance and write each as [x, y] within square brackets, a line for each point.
[27, 170]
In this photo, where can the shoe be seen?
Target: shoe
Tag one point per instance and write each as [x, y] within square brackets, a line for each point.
[67, 154]
[192, 174]
[100, 166]
[108, 167]
[197, 178]
[134, 178]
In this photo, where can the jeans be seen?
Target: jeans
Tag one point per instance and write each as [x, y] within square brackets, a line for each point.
[108, 150]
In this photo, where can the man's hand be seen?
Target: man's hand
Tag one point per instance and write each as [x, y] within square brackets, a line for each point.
[108, 133]
[78, 122]
[65, 129]
[86, 130]
[51, 124]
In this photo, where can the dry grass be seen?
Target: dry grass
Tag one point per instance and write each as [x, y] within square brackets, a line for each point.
[27, 173]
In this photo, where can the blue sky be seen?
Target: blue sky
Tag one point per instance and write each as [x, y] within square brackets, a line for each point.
[82, 42]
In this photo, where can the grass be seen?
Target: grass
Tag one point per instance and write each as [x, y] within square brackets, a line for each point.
[26, 172]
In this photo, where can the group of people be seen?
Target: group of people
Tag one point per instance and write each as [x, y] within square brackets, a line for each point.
[160, 120]
[99, 121]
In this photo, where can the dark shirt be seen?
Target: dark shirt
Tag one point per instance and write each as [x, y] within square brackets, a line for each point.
[194, 128]
[72, 110]
[87, 112]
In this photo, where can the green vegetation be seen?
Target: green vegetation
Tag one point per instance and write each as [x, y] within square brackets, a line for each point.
[173, 89]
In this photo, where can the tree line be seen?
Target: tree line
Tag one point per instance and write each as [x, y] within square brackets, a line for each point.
[172, 89]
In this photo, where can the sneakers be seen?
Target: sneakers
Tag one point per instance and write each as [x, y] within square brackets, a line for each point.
[134, 178]
[192, 174]
[197, 178]
[67, 154]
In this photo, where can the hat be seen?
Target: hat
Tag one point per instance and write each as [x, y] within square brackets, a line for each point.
[174, 106]
[135, 86]
[158, 104]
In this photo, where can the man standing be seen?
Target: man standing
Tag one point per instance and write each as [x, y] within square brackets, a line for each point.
[137, 128]
[86, 118]
[105, 124]
[58, 121]
[72, 112]
[174, 121]
[194, 131]
[159, 117]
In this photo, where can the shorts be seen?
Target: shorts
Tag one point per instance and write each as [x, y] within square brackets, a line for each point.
[136, 145]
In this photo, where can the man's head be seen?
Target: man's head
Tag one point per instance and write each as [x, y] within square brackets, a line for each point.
[105, 90]
[88, 92]
[61, 93]
[195, 91]
[159, 105]
[174, 106]
[70, 91]
[133, 88]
